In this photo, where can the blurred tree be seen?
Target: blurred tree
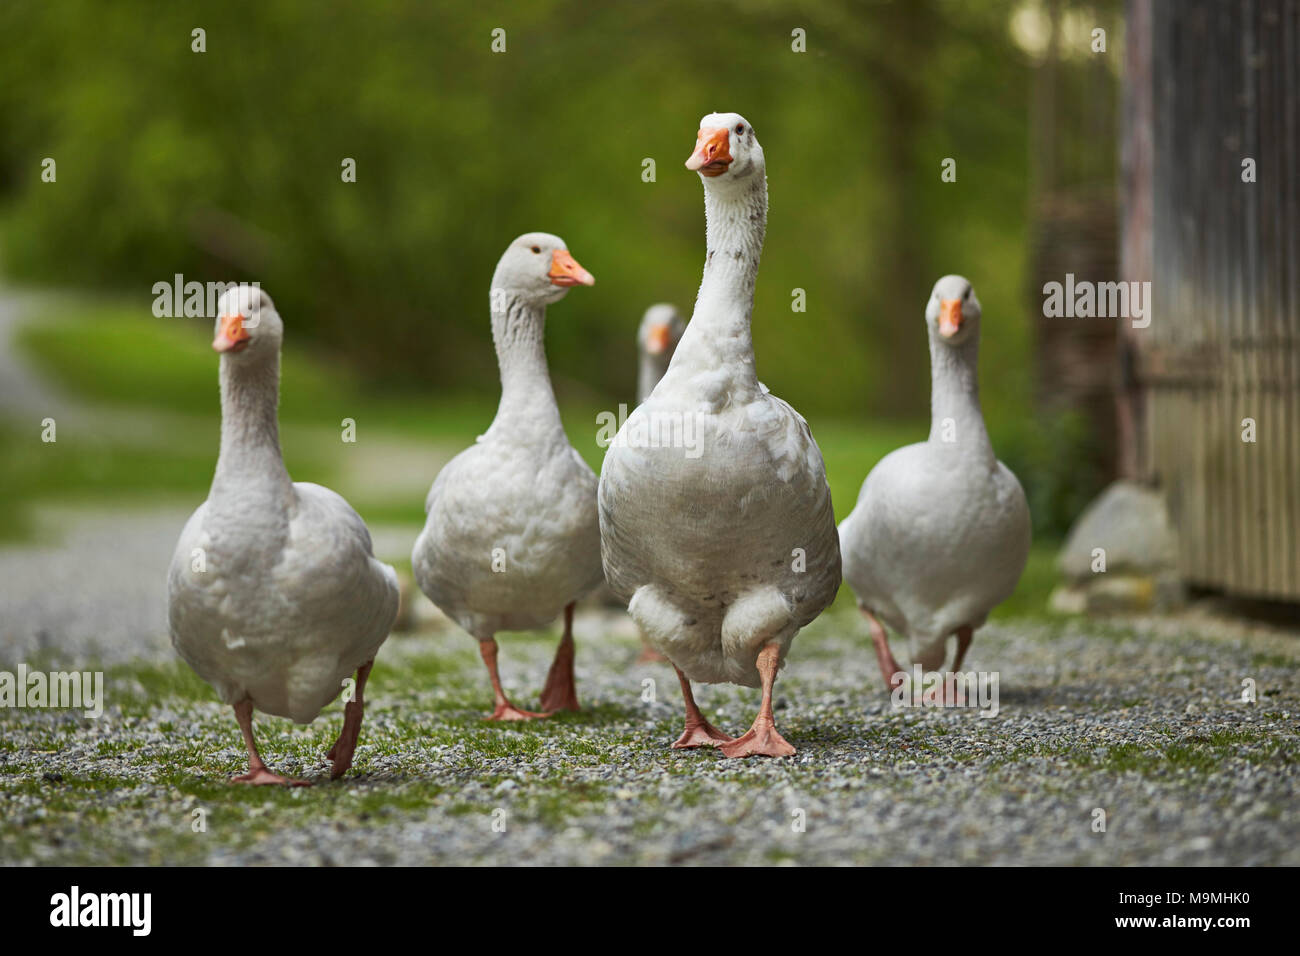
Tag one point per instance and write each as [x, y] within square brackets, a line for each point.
[227, 164]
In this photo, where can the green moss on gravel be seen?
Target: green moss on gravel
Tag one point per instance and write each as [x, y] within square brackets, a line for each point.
[430, 772]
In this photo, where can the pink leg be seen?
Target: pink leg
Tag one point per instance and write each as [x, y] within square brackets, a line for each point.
[963, 644]
[560, 692]
[699, 732]
[503, 709]
[257, 771]
[346, 745]
[889, 668]
[762, 739]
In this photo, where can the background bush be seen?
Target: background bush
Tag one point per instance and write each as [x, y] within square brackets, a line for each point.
[225, 165]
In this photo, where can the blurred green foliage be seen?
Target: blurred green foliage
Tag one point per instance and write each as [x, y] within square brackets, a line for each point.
[226, 165]
[1057, 459]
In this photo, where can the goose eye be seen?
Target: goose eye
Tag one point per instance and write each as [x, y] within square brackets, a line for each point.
[740, 129]
[965, 295]
[537, 248]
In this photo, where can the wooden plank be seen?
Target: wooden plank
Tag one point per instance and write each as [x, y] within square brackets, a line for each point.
[1290, 318]
[1225, 266]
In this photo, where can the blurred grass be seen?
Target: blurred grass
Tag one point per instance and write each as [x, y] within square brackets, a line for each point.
[87, 467]
[112, 353]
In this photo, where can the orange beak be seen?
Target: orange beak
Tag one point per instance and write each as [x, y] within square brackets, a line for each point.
[656, 343]
[949, 317]
[712, 153]
[231, 336]
[565, 270]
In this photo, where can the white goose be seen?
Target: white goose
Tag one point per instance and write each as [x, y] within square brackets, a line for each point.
[723, 539]
[940, 532]
[274, 593]
[661, 329]
[512, 538]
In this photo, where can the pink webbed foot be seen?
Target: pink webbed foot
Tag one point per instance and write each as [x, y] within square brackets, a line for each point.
[502, 708]
[560, 691]
[701, 733]
[258, 774]
[353, 711]
[346, 745]
[761, 740]
[261, 776]
[505, 710]
[557, 699]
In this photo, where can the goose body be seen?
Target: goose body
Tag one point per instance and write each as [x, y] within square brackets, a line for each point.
[525, 497]
[511, 538]
[718, 579]
[292, 602]
[274, 593]
[941, 531]
[716, 519]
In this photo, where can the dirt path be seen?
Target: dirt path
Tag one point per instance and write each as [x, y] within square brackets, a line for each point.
[23, 391]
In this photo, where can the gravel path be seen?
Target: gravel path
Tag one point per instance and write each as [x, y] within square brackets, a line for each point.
[22, 390]
[1116, 718]
[93, 589]
[27, 396]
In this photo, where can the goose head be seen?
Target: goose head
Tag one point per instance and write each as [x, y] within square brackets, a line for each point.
[247, 324]
[661, 330]
[953, 312]
[537, 267]
[727, 153]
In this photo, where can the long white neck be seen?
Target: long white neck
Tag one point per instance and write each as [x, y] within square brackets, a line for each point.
[250, 479]
[955, 415]
[718, 335]
[528, 404]
[648, 375]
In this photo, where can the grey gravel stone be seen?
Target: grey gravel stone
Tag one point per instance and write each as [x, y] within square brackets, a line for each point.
[1142, 720]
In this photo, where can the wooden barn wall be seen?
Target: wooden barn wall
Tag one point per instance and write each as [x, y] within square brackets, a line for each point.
[1224, 341]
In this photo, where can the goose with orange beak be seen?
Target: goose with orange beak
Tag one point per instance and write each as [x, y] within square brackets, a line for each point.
[275, 596]
[511, 539]
[940, 533]
[722, 541]
[661, 329]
